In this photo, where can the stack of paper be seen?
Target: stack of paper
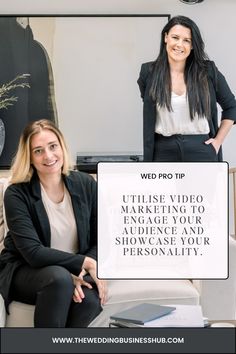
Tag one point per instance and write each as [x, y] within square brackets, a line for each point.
[182, 316]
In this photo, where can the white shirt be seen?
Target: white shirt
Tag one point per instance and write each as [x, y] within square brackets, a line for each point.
[62, 223]
[178, 121]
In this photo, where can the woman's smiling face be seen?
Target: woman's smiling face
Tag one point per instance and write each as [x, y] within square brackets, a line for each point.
[178, 43]
[46, 153]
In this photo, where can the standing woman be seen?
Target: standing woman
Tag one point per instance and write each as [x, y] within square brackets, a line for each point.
[180, 91]
[49, 258]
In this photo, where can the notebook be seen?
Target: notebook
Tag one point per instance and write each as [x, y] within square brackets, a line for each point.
[142, 313]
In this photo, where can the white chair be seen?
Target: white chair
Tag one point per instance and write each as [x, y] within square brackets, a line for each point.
[232, 185]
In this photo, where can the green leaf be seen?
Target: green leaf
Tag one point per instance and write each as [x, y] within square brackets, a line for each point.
[5, 99]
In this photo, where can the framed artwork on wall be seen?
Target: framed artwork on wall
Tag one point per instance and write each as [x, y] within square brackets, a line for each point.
[82, 73]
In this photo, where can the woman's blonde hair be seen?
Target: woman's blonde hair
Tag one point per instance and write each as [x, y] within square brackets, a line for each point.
[21, 169]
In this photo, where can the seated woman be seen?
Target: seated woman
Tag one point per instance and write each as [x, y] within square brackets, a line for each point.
[49, 258]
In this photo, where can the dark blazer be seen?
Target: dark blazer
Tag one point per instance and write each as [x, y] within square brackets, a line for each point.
[28, 239]
[219, 93]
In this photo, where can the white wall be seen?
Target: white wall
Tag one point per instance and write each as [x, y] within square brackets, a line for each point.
[96, 61]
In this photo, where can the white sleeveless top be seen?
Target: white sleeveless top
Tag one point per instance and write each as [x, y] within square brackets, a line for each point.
[178, 121]
[62, 222]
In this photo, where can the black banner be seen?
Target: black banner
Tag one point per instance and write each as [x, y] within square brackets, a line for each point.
[117, 340]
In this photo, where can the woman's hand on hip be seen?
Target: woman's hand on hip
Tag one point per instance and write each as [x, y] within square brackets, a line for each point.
[214, 143]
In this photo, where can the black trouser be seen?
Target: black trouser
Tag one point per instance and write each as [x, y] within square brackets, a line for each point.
[183, 148]
[51, 289]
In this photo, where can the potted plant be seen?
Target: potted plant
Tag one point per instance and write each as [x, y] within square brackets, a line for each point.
[6, 100]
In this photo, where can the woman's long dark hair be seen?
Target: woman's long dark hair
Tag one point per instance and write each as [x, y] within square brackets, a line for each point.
[195, 74]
